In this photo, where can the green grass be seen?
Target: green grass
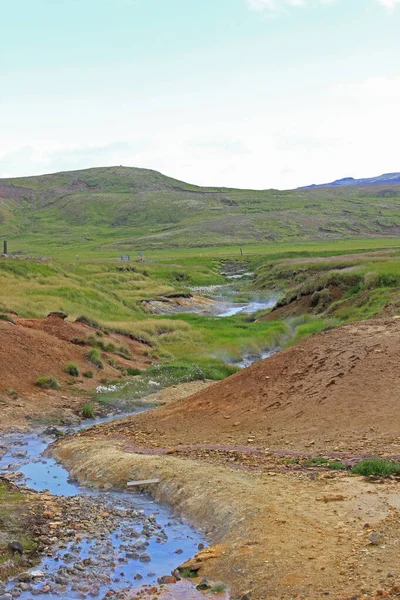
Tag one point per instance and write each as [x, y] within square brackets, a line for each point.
[7, 318]
[321, 461]
[15, 526]
[107, 212]
[72, 369]
[88, 411]
[47, 382]
[376, 466]
[218, 588]
[154, 379]
[94, 356]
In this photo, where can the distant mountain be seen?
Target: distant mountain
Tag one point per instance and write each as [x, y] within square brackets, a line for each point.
[107, 212]
[386, 179]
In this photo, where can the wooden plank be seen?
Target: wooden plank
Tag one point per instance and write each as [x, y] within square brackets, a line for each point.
[142, 482]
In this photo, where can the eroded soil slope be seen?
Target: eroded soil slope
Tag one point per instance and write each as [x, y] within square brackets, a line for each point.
[222, 457]
[31, 348]
[337, 391]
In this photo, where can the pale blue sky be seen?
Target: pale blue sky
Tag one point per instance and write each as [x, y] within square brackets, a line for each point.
[247, 93]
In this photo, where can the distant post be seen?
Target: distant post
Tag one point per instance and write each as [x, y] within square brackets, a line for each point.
[5, 247]
[241, 252]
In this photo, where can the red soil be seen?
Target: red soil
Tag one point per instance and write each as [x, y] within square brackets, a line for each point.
[337, 391]
[31, 348]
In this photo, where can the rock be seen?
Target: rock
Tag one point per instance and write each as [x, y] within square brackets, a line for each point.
[24, 577]
[376, 538]
[51, 430]
[145, 557]
[203, 586]
[167, 579]
[37, 574]
[15, 548]
[20, 454]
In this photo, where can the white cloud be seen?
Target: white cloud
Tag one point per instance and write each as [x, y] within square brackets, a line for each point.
[274, 6]
[389, 4]
[278, 5]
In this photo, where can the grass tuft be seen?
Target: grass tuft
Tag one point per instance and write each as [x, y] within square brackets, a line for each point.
[47, 382]
[88, 410]
[72, 369]
[94, 356]
[376, 466]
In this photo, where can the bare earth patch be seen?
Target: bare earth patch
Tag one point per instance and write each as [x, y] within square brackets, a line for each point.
[223, 459]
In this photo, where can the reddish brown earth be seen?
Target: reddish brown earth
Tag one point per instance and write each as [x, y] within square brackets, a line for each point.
[337, 391]
[281, 530]
[302, 305]
[31, 348]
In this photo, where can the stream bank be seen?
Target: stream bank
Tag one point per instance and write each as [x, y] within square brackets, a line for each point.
[100, 543]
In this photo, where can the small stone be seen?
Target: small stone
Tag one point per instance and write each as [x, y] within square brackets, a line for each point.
[145, 557]
[167, 579]
[376, 538]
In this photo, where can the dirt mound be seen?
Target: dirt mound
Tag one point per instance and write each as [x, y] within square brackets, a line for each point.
[31, 348]
[336, 391]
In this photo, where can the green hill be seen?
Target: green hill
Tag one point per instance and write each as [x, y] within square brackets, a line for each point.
[108, 211]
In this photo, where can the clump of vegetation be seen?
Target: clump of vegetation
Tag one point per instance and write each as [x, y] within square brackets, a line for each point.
[4, 317]
[72, 369]
[188, 573]
[88, 410]
[47, 382]
[15, 526]
[184, 371]
[88, 374]
[321, 461]
[218, 588]
[94, 356]
[376, 466]
[133, 372]
[12, 393]
[337, 465]
[317, 461]
[98, 342]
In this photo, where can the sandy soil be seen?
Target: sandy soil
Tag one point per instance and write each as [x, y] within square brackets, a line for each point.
[279, 530]
[280, 535]
[168, 305]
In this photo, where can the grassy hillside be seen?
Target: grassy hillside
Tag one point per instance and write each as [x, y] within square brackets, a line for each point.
[108, 211]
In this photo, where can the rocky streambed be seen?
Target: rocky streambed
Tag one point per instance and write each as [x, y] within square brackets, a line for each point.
[99, 543]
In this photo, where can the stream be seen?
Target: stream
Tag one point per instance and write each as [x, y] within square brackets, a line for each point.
[133, 540]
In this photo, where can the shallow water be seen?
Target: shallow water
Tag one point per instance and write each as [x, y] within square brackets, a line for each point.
[109, 569]
[247, 308]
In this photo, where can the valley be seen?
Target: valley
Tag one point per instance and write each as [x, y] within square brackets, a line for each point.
[255, 383]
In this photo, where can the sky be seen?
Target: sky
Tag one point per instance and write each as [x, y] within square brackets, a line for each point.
[241, 93]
